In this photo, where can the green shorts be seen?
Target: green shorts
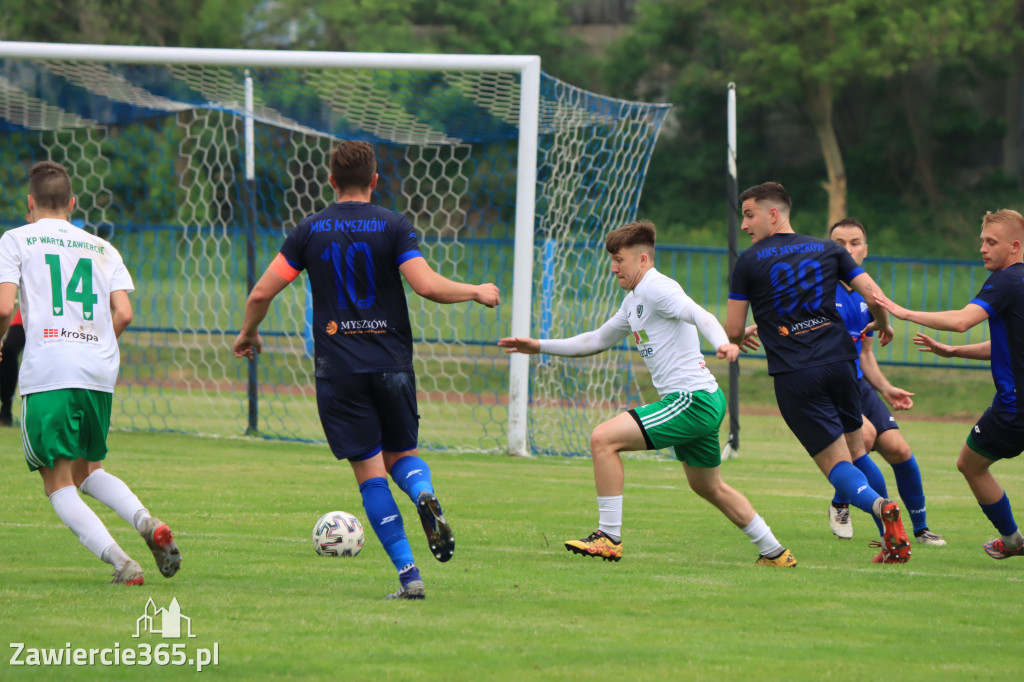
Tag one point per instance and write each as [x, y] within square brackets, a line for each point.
[70, 422]
[687, 422]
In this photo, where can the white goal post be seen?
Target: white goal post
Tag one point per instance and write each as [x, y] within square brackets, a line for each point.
[227, 116]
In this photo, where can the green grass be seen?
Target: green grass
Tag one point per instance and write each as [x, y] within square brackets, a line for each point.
[685, 602]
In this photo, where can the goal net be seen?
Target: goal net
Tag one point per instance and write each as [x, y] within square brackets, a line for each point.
[195, 164]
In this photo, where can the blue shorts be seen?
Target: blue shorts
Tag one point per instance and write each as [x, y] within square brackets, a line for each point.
[820, 404]
[365, 413]
[998, 435]
[873, 407]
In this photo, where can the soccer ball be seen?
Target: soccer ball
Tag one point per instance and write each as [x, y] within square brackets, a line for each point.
[337, 533]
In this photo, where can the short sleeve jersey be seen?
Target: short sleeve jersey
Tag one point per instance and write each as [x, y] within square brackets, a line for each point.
[65, 276]
[669, 346]
[351, 252]
[856, 315]
[790, 282]
[1002, 297]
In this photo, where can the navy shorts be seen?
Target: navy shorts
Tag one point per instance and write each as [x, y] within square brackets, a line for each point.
[820, 404]
[998, 435]
[874, 408]
[365, 413]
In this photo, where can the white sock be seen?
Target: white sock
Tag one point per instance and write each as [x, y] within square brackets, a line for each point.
[1013, 541]
[115, 493]
[82, 521]
[610, 516]
[115, 556]
[761, 535]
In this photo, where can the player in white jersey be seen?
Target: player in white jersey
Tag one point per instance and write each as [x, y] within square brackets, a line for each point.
[74, 304]
[664, 322]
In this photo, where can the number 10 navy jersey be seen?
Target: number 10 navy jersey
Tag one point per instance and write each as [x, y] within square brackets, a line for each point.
[790, 282]
[351, 252]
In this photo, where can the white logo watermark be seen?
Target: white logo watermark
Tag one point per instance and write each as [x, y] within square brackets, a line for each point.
[168, 622]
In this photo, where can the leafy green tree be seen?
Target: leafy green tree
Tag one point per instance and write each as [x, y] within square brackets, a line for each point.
[807, 51]
[191, 23]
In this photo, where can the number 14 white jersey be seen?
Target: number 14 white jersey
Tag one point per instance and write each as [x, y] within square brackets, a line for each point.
[65, 276]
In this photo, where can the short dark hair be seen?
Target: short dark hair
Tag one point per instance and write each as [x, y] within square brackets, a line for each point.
[50, 186]
[848, 222]
[353, 164]
[636, 233]
[768, 191]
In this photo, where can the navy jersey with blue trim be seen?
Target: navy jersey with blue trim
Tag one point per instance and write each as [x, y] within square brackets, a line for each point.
[856, 315]
[351, 252]
[790, 283]
[1002, 297]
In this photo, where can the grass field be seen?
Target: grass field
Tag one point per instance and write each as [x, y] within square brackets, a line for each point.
[686, 601]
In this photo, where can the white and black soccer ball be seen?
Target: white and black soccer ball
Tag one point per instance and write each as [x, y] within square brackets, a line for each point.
[338, 533]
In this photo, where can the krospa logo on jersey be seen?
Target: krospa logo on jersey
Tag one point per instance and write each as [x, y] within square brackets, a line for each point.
[81, 335]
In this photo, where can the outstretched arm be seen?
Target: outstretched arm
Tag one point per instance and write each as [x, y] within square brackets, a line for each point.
[711, 329]
[895, 396]
[434, 286]
[974, 351]
[866, 287]
[248, 341]
[587, 343]
[736, 321]
[946, 321]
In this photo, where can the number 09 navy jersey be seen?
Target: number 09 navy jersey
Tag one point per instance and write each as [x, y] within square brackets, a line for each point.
[790, 282]
[351, 252]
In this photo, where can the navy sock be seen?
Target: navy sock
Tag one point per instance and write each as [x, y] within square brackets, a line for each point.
[1001, 516]
[908, 482]
[875, 479]
[386, 521]
[850, 482]
[412, 475]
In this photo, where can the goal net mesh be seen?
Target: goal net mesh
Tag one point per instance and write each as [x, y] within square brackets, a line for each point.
[157, 157]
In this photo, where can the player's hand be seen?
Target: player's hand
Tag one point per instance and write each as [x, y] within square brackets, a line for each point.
[750, 341]
[520, 344]
[487, 294]
[927, 344]
[896, 311]
[884, 336]
[247, 345]
[728, 351]
[898, 398]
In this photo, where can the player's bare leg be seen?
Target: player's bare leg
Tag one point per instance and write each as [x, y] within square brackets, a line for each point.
[993, 501]
[606, 442]
[708, 483]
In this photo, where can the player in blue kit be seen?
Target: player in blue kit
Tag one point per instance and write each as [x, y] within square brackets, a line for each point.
[999, 434]
[881, 432]
[356, 254]
[789, 281]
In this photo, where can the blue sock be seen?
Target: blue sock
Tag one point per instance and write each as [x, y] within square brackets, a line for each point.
[386, 521]
[875, 479]
[850, 483]
[1001, 516]
[412, 475]
[908, 482]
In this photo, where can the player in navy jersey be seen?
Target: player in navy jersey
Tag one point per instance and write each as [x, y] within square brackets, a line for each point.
[881, 432]
[789, 281]
[999, 434]
[356, 254]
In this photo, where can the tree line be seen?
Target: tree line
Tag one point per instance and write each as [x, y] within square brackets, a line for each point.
[906, 113]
